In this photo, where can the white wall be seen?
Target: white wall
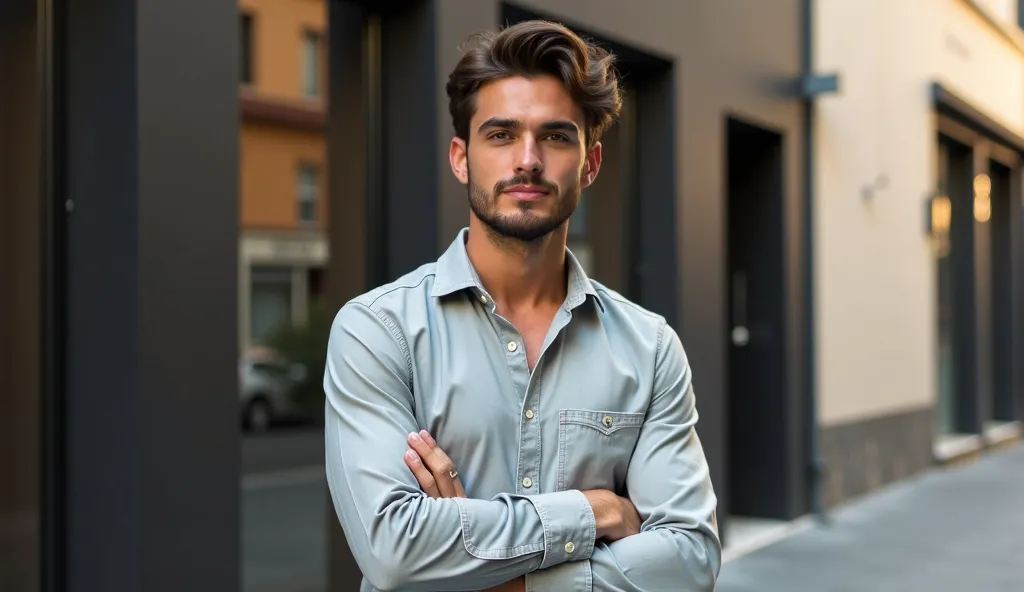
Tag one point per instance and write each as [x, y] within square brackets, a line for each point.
[874, 271]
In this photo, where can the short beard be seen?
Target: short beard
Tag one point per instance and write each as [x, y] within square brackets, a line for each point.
[522, 226]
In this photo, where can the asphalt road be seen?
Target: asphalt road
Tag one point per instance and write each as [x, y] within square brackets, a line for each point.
[282, 448]
[285, 512]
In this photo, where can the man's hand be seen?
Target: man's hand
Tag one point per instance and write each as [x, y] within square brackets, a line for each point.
[616, 516]
[434, 471]
[438, 477]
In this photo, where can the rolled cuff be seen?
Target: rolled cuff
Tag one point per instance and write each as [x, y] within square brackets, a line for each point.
[570, 528]
[575, 576]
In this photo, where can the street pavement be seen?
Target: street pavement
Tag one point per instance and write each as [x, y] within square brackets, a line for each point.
[283, 448]
[285, 511]
[956, 529]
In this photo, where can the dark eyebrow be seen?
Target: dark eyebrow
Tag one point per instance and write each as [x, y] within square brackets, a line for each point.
[555, 125]
[560, 125]
[503, 122]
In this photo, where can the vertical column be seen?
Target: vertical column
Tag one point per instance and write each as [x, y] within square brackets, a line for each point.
[963, 297]
[152, 165]
[981, 210]
[355, 232]
[455, 21]
[1017, 267]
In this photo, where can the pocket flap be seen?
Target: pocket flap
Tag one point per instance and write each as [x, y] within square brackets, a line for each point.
[604, 421]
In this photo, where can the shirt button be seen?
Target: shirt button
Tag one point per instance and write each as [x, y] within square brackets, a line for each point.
[527, 482]
[608, 421]
[483, 299]
[529, 414]
[512, 346]
[569, 547]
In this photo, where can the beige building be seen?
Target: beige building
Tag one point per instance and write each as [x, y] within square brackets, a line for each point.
[917, 234]
[283, 242]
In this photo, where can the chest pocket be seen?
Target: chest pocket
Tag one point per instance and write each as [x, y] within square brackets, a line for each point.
[594, 448]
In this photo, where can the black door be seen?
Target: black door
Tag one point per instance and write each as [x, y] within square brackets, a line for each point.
[756, 405]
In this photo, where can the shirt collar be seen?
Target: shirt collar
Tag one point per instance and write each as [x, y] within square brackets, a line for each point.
[455, 272]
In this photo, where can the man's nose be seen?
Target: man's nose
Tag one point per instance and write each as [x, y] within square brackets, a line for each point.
[529, 161]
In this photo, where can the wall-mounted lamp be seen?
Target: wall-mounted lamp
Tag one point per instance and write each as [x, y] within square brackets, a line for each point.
[982, 198]
[938, 219]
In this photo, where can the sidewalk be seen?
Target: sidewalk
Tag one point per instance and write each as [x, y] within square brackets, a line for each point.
[943, 531]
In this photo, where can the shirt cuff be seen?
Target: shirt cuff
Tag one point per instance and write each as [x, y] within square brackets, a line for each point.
[570, 528]
[575, 576]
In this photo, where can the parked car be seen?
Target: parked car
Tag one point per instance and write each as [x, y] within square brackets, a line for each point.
[266, 385]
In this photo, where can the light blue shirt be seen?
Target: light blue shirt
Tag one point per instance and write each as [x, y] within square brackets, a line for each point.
[610, 405]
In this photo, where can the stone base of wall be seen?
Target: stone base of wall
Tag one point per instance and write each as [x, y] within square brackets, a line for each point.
[862, 456]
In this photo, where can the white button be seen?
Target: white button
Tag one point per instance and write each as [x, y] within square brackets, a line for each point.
[483, 299]
[569, 547]
[608, 420]
[512, 346]
[527, 482]
[529, 414]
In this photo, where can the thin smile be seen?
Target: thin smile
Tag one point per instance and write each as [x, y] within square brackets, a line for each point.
[526, 192]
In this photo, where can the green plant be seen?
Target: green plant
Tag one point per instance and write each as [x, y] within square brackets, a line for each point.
[306, 344]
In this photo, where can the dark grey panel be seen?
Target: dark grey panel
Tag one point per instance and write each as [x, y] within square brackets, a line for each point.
[865, 455]
[410, 170]
[152, 165]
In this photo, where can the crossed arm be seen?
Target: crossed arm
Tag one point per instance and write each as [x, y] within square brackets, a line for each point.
[405, 539]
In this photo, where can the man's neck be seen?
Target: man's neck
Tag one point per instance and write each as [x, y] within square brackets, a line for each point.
[519, 276]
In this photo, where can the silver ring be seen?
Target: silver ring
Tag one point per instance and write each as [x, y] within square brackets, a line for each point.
[453, 474]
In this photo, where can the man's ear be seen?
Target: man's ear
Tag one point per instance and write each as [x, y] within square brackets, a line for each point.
[459, 159]
[591, 166]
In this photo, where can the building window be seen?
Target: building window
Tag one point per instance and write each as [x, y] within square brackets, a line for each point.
[311, 65]
[307, 193]
[245, 53]
[270, 301]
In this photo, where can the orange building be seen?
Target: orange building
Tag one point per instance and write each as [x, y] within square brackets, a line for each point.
[283, 244]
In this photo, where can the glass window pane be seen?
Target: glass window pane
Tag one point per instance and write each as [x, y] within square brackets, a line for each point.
[307, 193]
[271, 305]
[245, 52]
[284, 504]
[311, 65]
[20, 303]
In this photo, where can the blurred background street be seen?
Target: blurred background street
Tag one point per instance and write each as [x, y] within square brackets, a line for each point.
[825, 198]
[284, 511]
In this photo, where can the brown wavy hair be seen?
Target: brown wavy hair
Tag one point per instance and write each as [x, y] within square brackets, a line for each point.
[534, 48]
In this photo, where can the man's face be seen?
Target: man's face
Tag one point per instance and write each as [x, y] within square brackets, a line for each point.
[526, 160]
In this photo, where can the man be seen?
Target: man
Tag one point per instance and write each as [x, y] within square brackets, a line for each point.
[496, 419]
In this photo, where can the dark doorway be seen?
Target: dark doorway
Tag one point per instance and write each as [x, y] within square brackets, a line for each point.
[756, 405]
[957, 370]
[1000, 225]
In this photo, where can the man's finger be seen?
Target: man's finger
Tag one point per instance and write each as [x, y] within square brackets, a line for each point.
[440, 471]
[460, 491]
[423, 476]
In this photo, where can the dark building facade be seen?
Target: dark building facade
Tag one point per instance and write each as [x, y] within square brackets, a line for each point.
[700, 214]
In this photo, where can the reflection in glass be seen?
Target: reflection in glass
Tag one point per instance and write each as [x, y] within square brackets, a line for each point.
[20, 295]
[283, 238]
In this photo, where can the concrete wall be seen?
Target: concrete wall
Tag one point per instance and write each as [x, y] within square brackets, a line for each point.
[874, 270]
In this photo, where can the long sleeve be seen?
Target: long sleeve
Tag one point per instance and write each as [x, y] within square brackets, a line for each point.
[400, 537]
[669, 482]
